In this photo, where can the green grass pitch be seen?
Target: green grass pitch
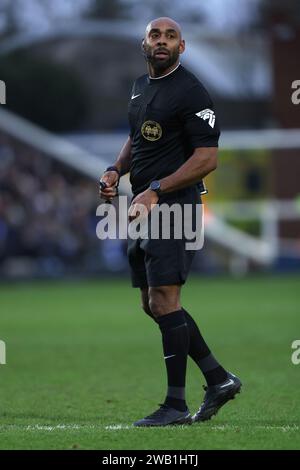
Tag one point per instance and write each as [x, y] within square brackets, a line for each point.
[84, 362]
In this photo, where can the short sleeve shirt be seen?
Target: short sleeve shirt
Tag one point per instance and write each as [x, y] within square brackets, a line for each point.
[169, 117]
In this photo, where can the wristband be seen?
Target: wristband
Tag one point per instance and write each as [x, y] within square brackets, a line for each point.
[113, 168]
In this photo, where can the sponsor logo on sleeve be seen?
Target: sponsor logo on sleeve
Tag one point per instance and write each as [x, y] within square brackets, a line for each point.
[207, 115]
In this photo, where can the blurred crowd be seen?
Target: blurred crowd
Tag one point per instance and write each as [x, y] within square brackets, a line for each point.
[48, 222]
[48, 218]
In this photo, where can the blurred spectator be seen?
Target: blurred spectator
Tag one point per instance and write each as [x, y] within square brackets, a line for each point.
[47, 214]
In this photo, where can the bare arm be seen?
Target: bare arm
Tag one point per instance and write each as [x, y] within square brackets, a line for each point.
[111, 178]
[124, 158]
[200, 164]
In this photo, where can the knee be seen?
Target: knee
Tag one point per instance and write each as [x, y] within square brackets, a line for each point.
[146, 308]
[157, 303]
[145, 302]
[163, 300]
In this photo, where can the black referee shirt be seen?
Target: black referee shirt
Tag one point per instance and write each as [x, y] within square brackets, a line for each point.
[169, 117]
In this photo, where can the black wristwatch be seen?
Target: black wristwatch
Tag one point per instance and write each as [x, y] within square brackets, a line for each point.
[113, 168]
[202, 187]
[155, 186]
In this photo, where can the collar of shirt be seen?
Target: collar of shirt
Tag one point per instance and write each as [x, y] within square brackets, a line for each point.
[155, 79]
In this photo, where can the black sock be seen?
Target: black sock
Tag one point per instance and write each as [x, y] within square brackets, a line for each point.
[213, 372]
[201, 354]
[175, 337]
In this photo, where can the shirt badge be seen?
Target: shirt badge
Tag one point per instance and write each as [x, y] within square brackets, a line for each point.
[151, 130]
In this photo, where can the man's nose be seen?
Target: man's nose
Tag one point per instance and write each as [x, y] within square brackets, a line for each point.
[162, 41]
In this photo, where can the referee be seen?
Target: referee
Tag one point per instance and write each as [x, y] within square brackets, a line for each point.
[172, 146]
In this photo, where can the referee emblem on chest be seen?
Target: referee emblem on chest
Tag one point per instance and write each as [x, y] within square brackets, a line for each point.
[151, 130]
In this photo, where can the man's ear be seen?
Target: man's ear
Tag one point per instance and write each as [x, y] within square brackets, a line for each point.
[182, 46]
[143, 45]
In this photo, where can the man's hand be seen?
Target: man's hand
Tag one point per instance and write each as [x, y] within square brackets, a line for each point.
[147, 198]
[111, 179]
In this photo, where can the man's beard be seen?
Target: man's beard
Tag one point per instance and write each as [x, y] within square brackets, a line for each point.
[159, 65]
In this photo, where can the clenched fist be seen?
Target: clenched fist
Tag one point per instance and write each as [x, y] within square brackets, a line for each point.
[110, 188]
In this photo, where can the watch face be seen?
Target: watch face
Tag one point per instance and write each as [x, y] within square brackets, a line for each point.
[155, 185]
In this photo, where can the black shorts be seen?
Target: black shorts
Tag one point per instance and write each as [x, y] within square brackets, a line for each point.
[161, 262]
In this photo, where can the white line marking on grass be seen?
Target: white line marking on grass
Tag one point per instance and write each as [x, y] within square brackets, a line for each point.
[231, 427]
[58, 427]
[43, 427]
[121, 427]
[116, 427]
[220, 427]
